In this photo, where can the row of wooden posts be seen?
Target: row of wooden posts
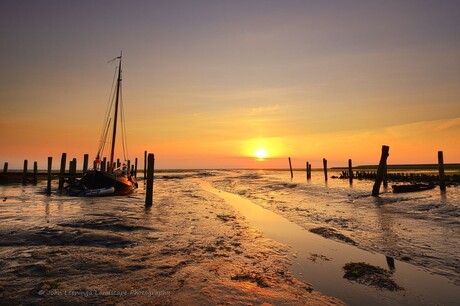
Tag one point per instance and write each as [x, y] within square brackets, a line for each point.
[381, 172]
[70, 177]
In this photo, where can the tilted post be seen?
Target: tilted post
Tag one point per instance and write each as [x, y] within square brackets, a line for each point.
[380, 171]
[290, 167]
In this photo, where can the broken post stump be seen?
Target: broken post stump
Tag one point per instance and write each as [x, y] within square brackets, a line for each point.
[290, 167]
[380, 171]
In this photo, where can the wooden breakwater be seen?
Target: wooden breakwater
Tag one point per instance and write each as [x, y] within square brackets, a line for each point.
[400, 176]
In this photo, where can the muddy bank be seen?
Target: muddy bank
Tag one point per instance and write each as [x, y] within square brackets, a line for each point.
[190, 248]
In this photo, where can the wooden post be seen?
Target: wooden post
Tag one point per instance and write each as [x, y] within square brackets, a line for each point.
[62, 171]
[290, 167]
[149, 191]
[5, 172]
[380, 171]
[442, 179]
[24, 173]
[135, 168]
[104, 164]
[306, 169]
[145, 165]
[350, 172]
[48, 185]
[35, 172]
[129, 165]
[325, 169]
[85, 163]
[118, 163]
[385, 176]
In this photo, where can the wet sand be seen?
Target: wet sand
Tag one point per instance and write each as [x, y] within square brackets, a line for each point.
[322, 262]
[190, 248]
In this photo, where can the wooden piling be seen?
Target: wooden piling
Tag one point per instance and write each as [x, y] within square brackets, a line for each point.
[85, 163]
[24, 172]
[385, 176]
[290, 167]
[309, 171]
[48, 185]
[306, 169]
[380, 171]
[128, 168]
[145, 165]
[104, 164]
[135, 168]
[118, 163]
[5, 172]
[35, 172]
[149, 190]
[62, 171]
[442, 178]
[325, 168]
[350, 172]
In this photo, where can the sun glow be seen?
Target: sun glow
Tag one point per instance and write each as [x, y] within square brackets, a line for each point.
[261, 153]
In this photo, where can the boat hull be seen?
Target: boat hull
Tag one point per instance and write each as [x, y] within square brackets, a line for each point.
[412, 188]
[99, 183]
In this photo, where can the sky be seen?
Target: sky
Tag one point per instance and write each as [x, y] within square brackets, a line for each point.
[207, 83]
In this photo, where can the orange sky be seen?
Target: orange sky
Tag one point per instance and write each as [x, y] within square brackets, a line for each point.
[207, 83]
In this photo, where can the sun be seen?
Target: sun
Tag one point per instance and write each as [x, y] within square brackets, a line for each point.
[261, 153]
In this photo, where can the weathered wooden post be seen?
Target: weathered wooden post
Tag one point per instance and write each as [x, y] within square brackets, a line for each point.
[5, 172]
[128, 168]
[135, 168]
[442, 179]
[290, 167]
[24, 173]
[85, 163]
[325, 168]
[62, 171]
[306, 169]
[118, 163]
[350, 172]
[145, 165]
[104, 164]
[35, 172]
[309, 171]
[149, 191]
[48, 185]
[385, 176]
[380, 171]
[72, 170]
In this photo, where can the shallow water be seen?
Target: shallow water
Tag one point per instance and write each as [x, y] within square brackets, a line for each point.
[176, 244]
[320, 261]
[421, 228]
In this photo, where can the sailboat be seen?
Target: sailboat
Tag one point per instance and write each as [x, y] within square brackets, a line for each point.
[113, 179]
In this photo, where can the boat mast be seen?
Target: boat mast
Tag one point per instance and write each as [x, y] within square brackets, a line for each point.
[115, 119]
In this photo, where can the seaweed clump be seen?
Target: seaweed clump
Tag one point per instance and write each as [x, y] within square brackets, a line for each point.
[328, 232]
[370, 275]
